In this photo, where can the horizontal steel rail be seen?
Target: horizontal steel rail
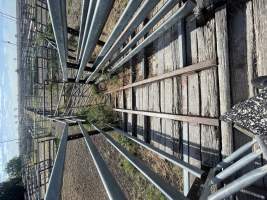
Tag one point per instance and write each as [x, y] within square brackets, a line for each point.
[56, 178]
[229, 166]
[235, 155]
[186, 70]
[240, 183]
[183, 118]
[138, 18]
[184, 11]
[262, 145]
[85, 6]
[88, 23]
[112, 188]
[126, 16]
[159, 183]
[57, 10]
[243, 162]
[101, 13]
[151, 23]
[180, 163]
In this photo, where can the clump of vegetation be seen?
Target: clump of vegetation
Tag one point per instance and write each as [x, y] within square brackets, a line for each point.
[57, 140]
[98, 114]
[167, 170]
[13, 167]
[72, 41]
[47, 35]
[145, 189]
[13, 189]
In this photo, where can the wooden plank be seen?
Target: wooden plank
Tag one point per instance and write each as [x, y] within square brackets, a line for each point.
[260, 27]
[160, 58]
[224, 77]
[167, 88]
[193, 96]
[180, 102]
[186, 70]
[190, 119]
[210, 136]
[260, 20]
[154, 93]
[154, 105]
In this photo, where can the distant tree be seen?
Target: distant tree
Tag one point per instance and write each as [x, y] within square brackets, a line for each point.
[12, 189]
[14, 167]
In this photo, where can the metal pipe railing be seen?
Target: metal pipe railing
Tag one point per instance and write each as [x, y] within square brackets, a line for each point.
[126, 16]
[236, 166]
[56, 178]
[151, 23]
[111, 186]
[141, 14]
[101, 13]
[235, 155]
[240, 183]
[159, 183]
[85, 6]
[190, 168]
[88, 23]
[185, 10]
[59, 21]
[262, 145]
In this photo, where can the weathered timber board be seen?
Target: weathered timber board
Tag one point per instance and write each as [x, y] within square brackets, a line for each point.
[210, 135]
[193, 96]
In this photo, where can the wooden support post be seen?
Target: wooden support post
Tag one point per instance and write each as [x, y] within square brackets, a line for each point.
[251, 45]
[224, 77]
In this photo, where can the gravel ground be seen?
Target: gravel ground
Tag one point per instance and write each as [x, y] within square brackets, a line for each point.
[81, 180]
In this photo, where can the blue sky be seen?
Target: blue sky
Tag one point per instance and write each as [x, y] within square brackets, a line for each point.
[8, 86]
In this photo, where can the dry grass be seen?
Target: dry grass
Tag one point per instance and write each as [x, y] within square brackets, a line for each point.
[169, 172]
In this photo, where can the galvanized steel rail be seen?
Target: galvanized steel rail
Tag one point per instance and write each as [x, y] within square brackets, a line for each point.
[140, 15]
[167, 190]
[57, 10]
[236, 161]
[185, 10]
[150, 24]
[85, 6]
[118, 29]
[89, 17]
[56, 178]
[240, 183]
[112, 188]
[101, 13]
[180, 163]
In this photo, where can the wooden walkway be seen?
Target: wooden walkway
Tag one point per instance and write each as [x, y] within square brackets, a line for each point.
[175, 90]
